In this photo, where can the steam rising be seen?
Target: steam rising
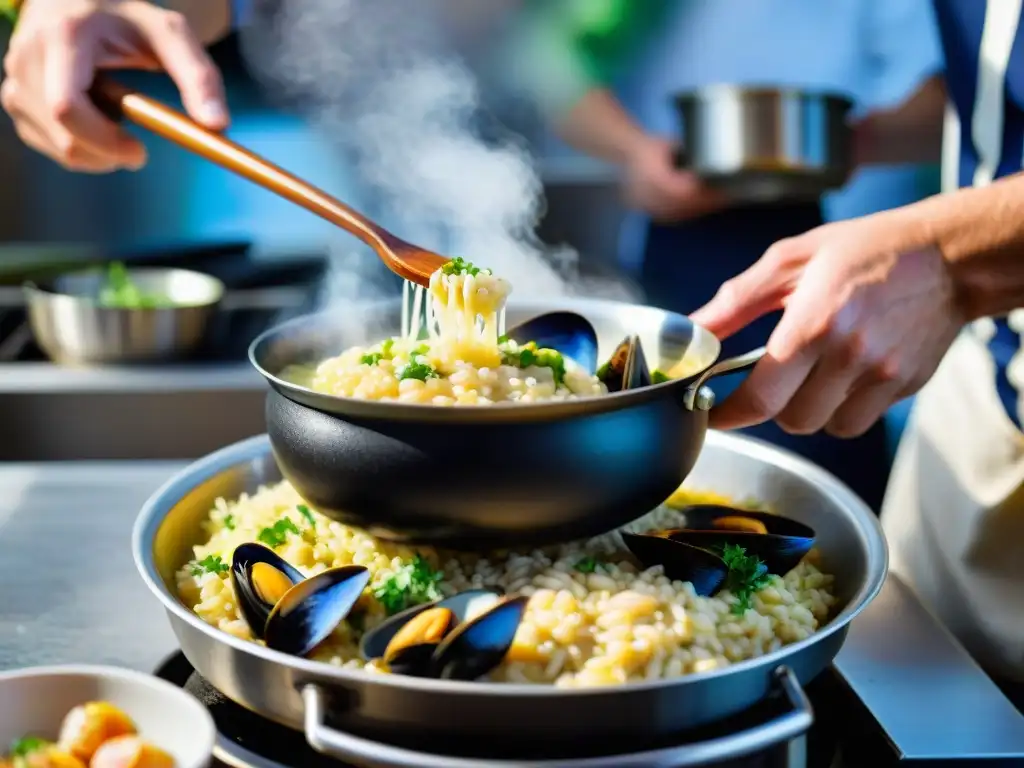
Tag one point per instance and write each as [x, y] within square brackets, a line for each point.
[383, 78]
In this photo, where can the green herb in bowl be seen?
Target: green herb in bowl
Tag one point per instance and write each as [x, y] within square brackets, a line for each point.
[121, 292]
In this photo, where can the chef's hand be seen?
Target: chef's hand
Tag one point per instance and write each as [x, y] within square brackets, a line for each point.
[869, 312]
[56, 50]
[667, 193]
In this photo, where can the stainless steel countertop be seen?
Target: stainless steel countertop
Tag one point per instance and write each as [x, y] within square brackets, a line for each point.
[69, 592]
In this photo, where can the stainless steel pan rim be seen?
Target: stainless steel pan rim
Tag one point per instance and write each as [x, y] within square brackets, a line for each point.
[717, 90]
[689, 339]
[256, 448]
[212, 288]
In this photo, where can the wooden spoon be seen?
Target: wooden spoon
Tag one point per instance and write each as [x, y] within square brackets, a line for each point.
[118, 102]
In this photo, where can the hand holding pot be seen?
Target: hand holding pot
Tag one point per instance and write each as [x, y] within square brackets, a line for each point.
[870, 309]
[54, 54]
[654, 185]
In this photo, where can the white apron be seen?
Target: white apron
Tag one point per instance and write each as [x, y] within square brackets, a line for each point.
[954, 510]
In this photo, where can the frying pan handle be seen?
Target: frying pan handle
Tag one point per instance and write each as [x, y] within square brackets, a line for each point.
[120, 103]
[364, 752]
[699, 397]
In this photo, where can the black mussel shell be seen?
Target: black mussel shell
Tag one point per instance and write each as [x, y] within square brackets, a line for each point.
[781, 543]
[253, 594]
[416, 659]
[476, 647]
[311, 610]
[565, 332]
[682, 562]
[627, 367]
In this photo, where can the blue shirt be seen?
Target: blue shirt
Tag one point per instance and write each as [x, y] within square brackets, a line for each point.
[984, 45]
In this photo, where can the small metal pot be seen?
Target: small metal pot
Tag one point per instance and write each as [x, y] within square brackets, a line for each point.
[73, 328]
[507, 474]
[766, 144]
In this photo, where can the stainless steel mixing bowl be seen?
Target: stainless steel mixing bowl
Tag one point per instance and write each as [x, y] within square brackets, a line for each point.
[72, 327]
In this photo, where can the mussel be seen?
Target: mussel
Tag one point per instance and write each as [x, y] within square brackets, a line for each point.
[261, 577]
[706, 570]
[461, 637]
[565, 332]
[627, 367]
[694, 552]
[310, 611]
[289, 612]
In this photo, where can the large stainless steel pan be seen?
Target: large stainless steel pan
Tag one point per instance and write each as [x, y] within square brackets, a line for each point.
[350, 713]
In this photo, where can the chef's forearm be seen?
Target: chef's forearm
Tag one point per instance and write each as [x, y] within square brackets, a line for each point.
[909, 133]
[980, 232]
[598, 125]
[210, 19]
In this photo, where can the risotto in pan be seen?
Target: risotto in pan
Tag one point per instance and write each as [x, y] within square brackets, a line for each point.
[594, 616]
[461, 359]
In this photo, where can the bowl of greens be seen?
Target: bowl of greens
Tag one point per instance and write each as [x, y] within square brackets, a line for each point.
[119, 315]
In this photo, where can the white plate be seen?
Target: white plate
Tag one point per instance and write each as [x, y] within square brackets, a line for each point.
[34, 701]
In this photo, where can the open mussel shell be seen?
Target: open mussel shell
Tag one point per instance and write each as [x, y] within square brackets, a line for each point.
[261, 578]
[407, 640]
[310, 611]
[477, 646]
[565, 332]
[682, 562]
[779, 541]
[627, 367]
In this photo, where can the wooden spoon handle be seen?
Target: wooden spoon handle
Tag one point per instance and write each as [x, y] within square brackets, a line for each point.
[119, 102]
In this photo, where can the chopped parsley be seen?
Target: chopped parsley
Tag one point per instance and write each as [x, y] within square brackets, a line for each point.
[209, 564]
[459, 266]
[420, 371]
[657, 377]
[372, 358]
[747, 576]
[503, 339]
[277, 534]
[414, 583]
[229, 522]
[528, 354]
[304, 511]
[587, 565]
[27, 745]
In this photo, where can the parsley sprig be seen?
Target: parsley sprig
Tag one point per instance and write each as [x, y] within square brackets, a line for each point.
[420, 371]
[747, 576]
[277, 534]
[529, 354]
[588, 565]
[414, 583]
[210, 564]
[372, 358]
[459, 266]
[307, 515]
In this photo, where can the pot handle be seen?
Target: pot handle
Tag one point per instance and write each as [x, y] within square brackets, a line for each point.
[364, 752]
[680, 157]
[699, 398]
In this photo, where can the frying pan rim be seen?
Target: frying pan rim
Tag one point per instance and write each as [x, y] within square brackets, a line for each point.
[156, 509]
[550, 411]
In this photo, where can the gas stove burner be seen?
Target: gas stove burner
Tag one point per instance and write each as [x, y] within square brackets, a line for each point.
[247, 740]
